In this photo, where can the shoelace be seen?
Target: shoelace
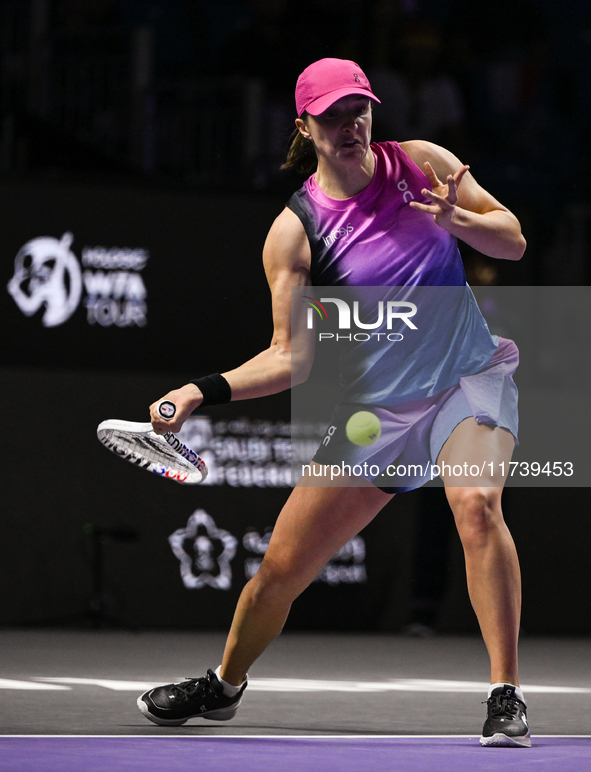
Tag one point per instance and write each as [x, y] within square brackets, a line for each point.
[500, 705]
[189, 688]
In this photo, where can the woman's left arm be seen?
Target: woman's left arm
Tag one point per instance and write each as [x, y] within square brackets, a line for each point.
[462, 207]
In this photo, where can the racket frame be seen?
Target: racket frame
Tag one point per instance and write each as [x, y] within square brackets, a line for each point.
[127, 439]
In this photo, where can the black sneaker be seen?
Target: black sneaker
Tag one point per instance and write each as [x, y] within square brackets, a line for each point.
[506, 722]
[173, 704]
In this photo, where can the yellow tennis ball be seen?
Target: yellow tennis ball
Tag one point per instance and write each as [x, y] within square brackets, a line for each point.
[363, 428]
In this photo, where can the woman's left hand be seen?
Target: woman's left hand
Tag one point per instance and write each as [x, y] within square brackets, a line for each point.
[443, 196]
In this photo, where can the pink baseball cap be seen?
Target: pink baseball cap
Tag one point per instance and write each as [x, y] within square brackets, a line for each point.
[323, 82]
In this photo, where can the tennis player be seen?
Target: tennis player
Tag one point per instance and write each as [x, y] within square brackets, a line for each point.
[400, 209]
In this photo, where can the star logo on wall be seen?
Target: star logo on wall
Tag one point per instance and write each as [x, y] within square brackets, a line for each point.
[205, 552]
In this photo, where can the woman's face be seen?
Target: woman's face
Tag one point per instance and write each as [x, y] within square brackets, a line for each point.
[343, 132]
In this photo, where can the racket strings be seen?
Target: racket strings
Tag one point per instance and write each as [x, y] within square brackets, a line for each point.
[151, 449]
[160, 449]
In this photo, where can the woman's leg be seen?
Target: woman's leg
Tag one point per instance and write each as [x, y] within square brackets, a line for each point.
[492, 567]
[314, 524]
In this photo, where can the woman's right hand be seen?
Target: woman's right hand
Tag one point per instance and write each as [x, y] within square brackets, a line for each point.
[186, 399]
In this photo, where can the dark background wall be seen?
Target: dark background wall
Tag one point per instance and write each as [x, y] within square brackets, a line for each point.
[63, 487]
[119, 129]
[65, 497]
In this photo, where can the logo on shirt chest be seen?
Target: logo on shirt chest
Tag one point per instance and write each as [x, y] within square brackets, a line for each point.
[406, 193]
[341, 233]
[338, 233]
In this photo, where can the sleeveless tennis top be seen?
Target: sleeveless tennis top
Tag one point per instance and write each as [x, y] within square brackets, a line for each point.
[376, 240]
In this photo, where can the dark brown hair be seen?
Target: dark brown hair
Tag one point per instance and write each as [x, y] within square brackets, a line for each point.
[301, 155]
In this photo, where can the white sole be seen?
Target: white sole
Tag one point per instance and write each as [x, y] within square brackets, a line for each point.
[223, 714]
[500, 740]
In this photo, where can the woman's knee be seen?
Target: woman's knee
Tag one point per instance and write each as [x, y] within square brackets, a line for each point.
[276, 582]
[477, 511]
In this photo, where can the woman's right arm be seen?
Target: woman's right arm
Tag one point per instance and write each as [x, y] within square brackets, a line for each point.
[287, 360]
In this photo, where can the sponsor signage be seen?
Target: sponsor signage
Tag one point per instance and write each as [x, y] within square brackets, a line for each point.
[208, 556]
[250, 453]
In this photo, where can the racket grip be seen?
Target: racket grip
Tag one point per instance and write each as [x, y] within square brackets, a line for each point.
[166, 409]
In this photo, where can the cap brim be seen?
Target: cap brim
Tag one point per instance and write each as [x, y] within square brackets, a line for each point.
[324, 102]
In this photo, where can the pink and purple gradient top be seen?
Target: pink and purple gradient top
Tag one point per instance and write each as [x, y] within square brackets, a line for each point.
[376, 240]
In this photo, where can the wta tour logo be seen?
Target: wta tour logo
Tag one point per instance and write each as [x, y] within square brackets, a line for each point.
[48, 276]
[387, 311]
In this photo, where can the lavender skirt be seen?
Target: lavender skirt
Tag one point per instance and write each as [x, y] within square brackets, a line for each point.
[413, 433]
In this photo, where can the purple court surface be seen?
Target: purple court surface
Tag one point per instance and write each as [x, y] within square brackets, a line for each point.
[314, 702]
[297, 754]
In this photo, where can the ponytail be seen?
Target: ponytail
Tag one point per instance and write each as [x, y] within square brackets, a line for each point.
[301, 155]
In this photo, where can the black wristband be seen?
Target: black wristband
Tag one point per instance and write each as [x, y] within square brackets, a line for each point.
[215, 389]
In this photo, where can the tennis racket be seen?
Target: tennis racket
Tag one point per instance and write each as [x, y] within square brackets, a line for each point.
[162, 454]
